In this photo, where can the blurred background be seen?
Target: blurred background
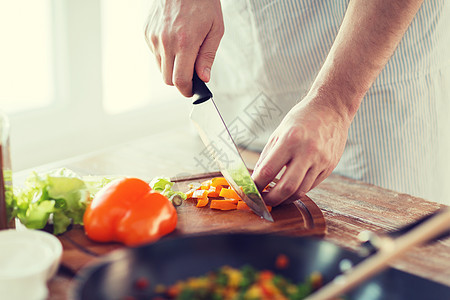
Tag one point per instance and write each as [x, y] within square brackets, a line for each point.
[77, 76]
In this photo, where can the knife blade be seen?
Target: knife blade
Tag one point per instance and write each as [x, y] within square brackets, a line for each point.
[219, 143]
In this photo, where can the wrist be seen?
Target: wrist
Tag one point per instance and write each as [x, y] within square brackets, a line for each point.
[337, 93]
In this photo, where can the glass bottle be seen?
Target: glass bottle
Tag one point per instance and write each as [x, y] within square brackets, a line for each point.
[6, 192]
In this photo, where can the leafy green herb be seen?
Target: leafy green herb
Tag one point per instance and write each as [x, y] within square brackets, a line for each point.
[221, 278]
[242, 178]
[164, 186]
[248, 276]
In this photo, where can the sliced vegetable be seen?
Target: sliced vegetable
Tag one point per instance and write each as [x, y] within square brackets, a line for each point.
[176, 200]
[194, 185]
[128, 210]
[205, 185]
[241, 178]
[164, 186]
[219, 195]
[243, 283]
[190, 193]
[214, 191]
[202, 202]
[282, 261]
[200, 194]
[241, 205]
[229, 193]
[223, 204]
[219, 181]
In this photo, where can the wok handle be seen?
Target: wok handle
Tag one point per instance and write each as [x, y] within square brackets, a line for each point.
[372, 242]
[427, 230]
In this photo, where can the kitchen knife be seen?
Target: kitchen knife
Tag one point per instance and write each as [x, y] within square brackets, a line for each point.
[220, 145]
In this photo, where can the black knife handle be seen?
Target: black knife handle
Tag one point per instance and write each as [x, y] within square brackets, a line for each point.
[200, 90]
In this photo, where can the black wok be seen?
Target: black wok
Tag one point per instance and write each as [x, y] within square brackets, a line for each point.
[173, 259]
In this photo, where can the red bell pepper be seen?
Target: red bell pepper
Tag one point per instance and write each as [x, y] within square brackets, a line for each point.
[128, 210]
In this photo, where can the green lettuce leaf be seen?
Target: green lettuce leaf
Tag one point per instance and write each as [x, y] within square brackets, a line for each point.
[96, 183]
[60, 194]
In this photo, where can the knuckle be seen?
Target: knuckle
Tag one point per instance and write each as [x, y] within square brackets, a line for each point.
[152, 42]
[181, 83]
[324, 158]
[313, 147]
[300, 193]
[287, 188]
[154, 39]
[183, 40]
[294, 136]
[165, 39]
[267, 172]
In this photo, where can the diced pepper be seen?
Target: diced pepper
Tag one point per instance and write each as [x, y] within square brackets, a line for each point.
[223, 204]
[282, 261]
[194, 185]
[316, 279]
[202, 202]
[219, 181]
[214, 191]
[200, 194]
[241, 205]
[266, 275]
[190, 193]
[205, 185]
[229, 193]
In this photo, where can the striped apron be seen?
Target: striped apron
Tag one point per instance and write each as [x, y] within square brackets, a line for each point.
[271, 53]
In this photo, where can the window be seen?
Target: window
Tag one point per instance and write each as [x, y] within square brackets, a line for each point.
[77, 76]
[26, 67]
[131, 78]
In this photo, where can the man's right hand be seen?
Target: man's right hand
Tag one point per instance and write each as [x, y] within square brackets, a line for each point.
[184, 34]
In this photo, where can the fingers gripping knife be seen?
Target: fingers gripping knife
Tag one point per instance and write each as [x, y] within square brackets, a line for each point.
[219, 143]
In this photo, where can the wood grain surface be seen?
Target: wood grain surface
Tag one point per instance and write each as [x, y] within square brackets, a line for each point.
[349, 206]
[301, 218]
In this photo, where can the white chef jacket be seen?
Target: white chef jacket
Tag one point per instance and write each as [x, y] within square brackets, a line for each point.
[271, 53]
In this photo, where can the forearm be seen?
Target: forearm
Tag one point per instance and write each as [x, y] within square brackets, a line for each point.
[367, 38]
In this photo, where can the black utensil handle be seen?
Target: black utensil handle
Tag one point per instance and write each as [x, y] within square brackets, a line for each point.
[368, 247]
[200, 90]
[406, 228]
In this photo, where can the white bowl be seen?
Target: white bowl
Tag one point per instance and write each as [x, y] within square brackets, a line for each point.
[28, 259]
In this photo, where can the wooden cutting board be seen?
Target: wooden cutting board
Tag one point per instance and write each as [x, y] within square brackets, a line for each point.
[300, 218]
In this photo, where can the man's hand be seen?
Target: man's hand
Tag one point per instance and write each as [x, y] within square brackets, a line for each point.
[183, 34]
[309, 142]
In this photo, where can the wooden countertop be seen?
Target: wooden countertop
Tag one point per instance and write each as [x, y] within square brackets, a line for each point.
[349, 206]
